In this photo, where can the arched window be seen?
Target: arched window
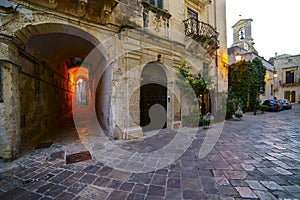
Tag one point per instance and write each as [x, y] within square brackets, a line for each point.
[242, 34]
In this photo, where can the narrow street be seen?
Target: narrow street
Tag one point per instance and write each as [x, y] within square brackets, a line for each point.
[256, 158]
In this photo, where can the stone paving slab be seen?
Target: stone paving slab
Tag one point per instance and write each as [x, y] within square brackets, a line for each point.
[246, 192]
[255, 158]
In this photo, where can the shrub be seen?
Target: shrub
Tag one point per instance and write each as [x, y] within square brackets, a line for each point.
[191, 120]
[262, 108]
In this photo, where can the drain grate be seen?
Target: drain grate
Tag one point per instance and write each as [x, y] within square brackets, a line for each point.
[78, 157]
[44, 145]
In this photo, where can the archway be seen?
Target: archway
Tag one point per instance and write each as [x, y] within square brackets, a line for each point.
[49, 79]
[79, 76]
[81, 92]
[153, 96]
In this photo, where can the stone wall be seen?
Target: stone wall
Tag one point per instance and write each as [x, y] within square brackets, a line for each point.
[45, 95]
[10, 106]
[282, 64]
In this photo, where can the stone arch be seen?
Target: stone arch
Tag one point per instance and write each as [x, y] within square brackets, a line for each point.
[24, 33]
[50, 52]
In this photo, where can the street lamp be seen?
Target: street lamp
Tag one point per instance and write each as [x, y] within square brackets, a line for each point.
[238, 57]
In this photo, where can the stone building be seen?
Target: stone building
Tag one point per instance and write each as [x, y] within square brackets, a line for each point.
[115, 57]
[287, 82]
[243, 45]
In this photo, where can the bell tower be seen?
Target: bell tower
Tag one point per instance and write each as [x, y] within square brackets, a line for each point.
[242, 36]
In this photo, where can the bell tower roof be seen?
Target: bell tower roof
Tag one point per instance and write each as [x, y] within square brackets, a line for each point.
[242, 22]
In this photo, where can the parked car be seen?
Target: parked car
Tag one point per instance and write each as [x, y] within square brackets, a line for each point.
[286, 104]
[273, 104]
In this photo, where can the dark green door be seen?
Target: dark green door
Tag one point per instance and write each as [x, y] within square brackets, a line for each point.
[152, 94]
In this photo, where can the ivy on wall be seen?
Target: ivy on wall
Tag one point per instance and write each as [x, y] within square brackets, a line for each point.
[244, 81]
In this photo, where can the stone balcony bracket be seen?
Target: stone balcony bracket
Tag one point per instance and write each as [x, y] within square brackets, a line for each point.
[155, 17]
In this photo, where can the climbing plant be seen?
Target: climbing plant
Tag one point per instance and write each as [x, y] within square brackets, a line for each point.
[193, 83]
[244, 81]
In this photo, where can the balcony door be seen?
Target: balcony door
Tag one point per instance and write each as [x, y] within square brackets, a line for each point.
[192, 14]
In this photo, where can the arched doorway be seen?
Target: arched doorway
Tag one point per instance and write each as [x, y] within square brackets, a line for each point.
[79, 76]
[81, 91]
[50, 78]
[153, 97]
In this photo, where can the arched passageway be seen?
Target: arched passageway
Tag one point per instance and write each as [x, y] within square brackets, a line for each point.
[52, 76]
[153, 97]
[79, 76]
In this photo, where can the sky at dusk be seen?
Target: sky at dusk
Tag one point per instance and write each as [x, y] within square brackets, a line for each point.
[275, 26]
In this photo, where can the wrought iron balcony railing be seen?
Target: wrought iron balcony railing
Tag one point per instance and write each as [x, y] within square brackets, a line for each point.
[294, 84]
[203, 33]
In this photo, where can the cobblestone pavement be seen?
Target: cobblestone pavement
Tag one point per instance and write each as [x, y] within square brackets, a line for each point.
[256, 158]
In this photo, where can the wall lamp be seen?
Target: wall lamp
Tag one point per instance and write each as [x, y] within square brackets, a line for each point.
[275, 74]
[238, 57]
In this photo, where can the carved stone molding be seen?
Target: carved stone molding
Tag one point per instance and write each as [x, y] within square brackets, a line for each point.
[163, 13]
[81, 8]
[201, 2]
[52, 3]
[156, 17]
[107, 7]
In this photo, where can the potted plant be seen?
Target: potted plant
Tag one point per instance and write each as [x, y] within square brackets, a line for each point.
[238, 114]
[205, 121]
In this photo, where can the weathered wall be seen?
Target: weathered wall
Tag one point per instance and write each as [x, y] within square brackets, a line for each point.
[10, 106]
[44, 96]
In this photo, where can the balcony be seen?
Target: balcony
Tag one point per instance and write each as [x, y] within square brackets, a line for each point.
[286, 85]
[203, 33]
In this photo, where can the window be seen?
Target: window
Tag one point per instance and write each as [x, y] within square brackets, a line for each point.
[192, 14]
[272, 90]
[289, 75]
[157, 3]
[262, 90]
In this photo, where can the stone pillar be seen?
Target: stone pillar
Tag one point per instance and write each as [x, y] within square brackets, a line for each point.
[10, 105]
[125, 101]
